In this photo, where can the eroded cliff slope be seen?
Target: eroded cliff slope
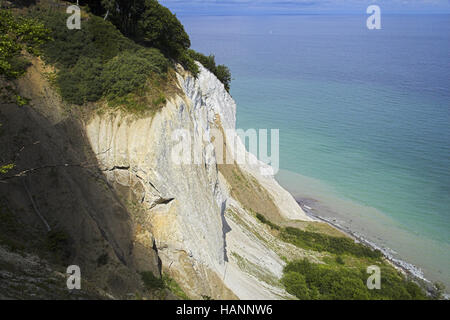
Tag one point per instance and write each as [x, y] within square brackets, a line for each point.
[109, 180]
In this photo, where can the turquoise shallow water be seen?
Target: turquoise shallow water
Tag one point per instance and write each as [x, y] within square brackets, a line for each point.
[363, 117]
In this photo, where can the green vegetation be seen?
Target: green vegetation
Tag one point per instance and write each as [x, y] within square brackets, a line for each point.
[17, 34]
[97, 39]
[173, 287]
[342, 273]
[83, 83]
[325, 243]
[307, 281]
[340, 260]
[111, 59]
[261, 218]
[439, 290]
[153, 25]
[147, 22]
[129, 70]
[6, 168]
[158, 27]
[98, 61]
[153, 283]
[209, 62]
[321, 242]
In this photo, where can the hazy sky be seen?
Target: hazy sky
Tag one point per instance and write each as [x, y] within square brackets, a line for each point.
[226, 7]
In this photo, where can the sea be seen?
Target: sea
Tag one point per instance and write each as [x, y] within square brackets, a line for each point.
[363, 118]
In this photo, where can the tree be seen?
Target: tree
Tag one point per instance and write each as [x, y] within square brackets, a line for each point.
[160, 28]
[124, 14]
[224, 75]
[209, 62]
[149, 22]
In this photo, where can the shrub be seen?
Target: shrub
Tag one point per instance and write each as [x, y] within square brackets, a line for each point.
[174, 287]
[6, 168]
[97, 39]
[151, 282]
[222, 72]
[340, 260]
[17, 34]
[83, 83]
[306, 280]
[188, 63]
[296, 285]
[321, 242]
[129, 71]
[209, 62]
[97, 61]
[261, 218]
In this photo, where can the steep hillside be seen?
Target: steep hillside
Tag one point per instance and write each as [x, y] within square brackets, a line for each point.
[95, 182]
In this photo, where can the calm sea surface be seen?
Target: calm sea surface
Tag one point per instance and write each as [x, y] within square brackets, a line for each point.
[364, 117]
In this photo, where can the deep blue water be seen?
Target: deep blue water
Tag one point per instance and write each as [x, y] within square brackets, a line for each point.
[365, 112]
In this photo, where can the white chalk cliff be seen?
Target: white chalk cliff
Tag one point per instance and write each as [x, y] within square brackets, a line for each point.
[206, 238]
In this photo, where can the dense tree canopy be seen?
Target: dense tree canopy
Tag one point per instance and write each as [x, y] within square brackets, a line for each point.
[125, 14]
[160, 28]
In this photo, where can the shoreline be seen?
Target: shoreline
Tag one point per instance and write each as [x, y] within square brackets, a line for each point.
[407, 269]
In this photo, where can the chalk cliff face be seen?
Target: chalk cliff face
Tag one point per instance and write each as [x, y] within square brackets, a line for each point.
[127, 205]
[205, 236]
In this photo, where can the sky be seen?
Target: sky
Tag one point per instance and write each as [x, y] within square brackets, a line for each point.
[250, 7]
